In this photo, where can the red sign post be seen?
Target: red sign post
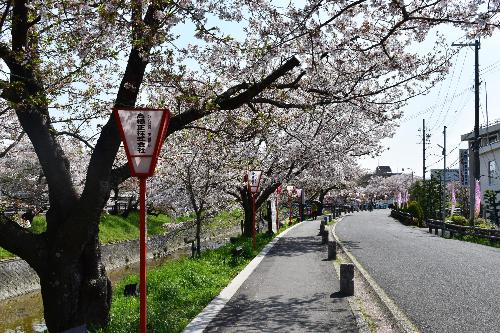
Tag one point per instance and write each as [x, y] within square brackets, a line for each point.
[278, 192]
[291, 191]
[142, 132]
[253, 178]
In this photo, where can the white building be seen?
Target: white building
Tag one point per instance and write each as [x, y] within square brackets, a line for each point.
[489, 156]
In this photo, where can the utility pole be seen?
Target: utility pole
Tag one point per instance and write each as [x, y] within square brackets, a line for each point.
[423, 149]
[425, 138]
[474, 167]
[444, 174]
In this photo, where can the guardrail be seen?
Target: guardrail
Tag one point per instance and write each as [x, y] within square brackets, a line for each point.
[405, 218]
[490, 234]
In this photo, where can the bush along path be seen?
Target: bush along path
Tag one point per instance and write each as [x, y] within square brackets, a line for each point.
[180, 289]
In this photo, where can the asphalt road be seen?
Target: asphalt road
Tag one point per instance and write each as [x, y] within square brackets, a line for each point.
[442, 285]
[294, 289]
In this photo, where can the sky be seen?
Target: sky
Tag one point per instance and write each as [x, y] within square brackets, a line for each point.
[450, 103]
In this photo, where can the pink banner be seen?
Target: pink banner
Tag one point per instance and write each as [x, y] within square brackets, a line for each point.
[477, 199]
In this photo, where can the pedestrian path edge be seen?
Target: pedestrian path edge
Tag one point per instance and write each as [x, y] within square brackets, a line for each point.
[201, 321]
[401, 319]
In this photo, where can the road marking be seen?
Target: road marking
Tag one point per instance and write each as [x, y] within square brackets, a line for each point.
[201, 321]
[404, 323]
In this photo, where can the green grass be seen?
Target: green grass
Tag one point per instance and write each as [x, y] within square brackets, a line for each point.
[226, 218]
[180, 289]
[477, 240]
[115, 228]
[332, 222]
[4, 254]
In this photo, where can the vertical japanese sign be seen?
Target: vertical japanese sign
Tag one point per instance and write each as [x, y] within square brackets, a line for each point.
[142, 132]
[254, 180]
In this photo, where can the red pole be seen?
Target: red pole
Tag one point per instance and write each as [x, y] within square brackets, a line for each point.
[254, 239]
[143, 251]
[290, 208]
[277, 215]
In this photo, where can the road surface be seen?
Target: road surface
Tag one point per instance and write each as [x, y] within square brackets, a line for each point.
[294, 289]
[443, 285]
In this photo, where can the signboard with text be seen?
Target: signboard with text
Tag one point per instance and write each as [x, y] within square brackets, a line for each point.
[254, 180]
[142, 132]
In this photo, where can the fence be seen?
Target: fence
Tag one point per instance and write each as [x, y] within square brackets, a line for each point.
[489, 234]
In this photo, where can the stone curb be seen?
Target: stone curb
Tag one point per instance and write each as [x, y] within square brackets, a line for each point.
[203, 319]
[398, 316]
[356, 311]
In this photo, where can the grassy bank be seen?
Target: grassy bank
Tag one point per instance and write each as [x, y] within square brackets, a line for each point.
[114, 228]
[180, 289]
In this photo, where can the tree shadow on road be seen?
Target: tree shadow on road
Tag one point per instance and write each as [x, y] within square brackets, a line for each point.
[295, 246]
[315, 313]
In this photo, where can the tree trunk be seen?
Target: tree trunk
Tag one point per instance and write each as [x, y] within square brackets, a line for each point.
[76, 292]
[198, 234]
[321, 205]
[246, 203]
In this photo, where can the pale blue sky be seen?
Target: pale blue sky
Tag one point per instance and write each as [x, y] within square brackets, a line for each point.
[451, 104]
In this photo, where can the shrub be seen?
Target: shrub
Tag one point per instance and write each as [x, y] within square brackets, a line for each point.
[416, 211]
[483, 224]
[459, 220]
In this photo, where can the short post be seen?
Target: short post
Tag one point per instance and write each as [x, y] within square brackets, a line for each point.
[325, 219]
[347, 279]
[330, 218]
[321, 228]
[324, 236]
[332, 250]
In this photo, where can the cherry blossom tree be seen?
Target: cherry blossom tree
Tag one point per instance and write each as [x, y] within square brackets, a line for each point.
[194, 176]
[380, 186]
[330, 176]
[66, 63]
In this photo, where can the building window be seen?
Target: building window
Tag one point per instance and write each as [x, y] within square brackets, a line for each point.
[492, 138]
[492, 172]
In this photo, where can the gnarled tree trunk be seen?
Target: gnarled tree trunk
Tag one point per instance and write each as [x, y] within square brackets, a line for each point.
[76, 292]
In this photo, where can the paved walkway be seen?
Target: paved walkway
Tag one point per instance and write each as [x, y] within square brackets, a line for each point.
[294, 289]
[443, 285]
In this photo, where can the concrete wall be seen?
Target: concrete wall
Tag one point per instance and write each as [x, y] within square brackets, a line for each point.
[17, 277]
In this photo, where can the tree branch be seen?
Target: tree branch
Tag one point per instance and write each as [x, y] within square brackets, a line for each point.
[76, 136]
[27, 245]
[4, 15]
[12, 145]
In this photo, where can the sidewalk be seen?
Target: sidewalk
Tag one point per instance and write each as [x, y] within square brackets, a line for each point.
[294, 289]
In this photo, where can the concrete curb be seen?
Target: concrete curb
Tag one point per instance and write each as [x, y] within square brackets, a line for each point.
[355, 308]
[400, 318]
[201, 321]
